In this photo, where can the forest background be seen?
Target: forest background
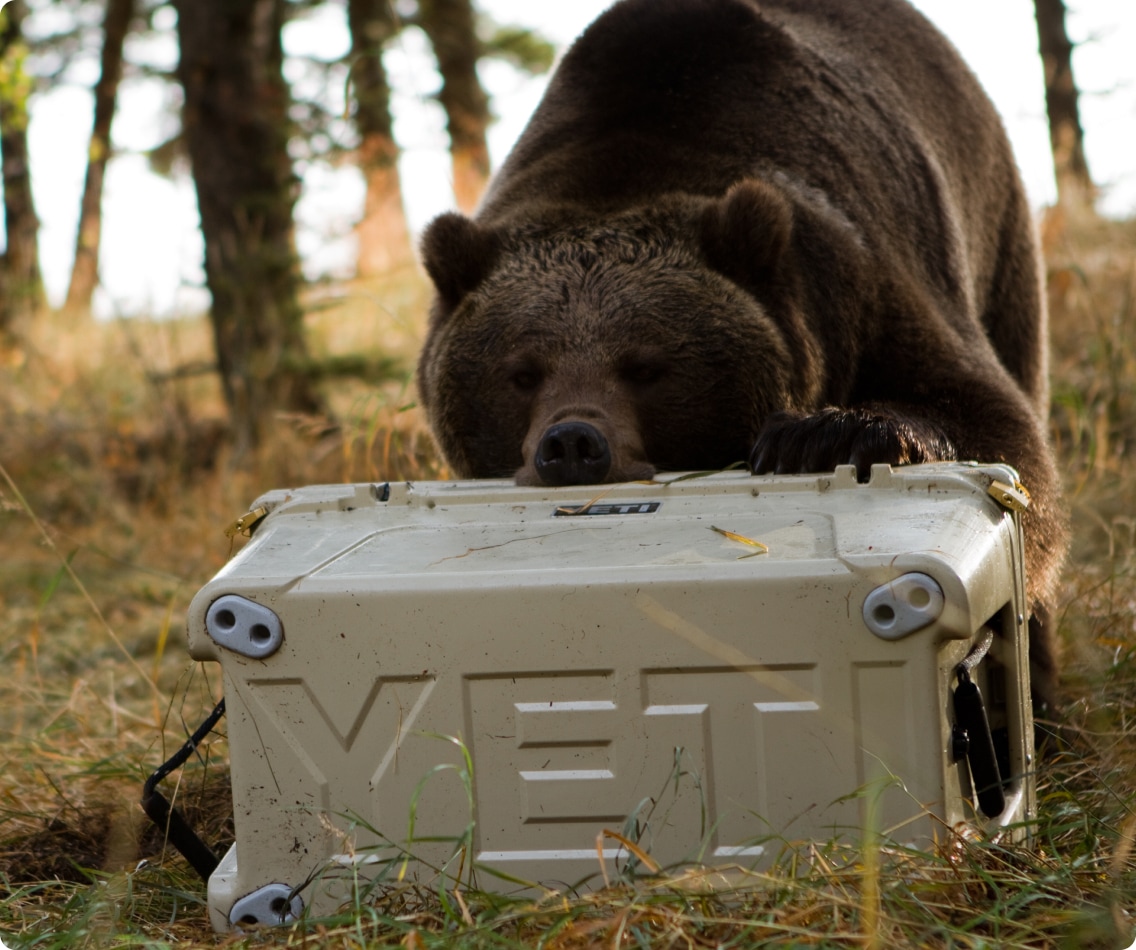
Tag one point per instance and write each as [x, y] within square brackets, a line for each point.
[131, 436]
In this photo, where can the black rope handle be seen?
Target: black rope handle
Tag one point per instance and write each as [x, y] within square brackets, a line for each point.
[970, 716]
[177, 830]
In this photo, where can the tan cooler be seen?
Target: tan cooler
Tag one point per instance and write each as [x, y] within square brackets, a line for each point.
[443, 679]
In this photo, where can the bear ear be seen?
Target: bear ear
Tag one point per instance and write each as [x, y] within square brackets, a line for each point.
[458, 255]
[745, 233]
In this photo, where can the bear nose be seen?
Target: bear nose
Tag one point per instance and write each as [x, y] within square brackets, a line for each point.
[572, 453]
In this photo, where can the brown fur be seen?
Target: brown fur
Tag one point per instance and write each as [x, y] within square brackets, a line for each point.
[789, 231]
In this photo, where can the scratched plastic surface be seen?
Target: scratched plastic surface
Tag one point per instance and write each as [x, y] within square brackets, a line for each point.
[684, 664]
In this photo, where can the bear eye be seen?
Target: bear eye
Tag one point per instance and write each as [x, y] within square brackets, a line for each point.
[642, 373]
[526, 379]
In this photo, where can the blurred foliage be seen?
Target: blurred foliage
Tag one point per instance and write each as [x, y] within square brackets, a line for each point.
[321, 133]
[525, 50]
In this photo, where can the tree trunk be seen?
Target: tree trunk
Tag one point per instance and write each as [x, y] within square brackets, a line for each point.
[85, 270]
[450, 25]
[22, 284]
[236, 127]
[384, 238]
[1076, 193]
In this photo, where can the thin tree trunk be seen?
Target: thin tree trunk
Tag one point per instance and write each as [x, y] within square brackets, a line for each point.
[1076, 193]
[22, 283]
[85, 270]
[236, 126]
[450, 25]
[383, 235]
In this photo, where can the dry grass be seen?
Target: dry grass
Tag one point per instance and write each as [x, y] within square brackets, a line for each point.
[115, 490]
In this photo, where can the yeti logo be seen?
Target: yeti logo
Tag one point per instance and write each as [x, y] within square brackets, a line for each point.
[627, 508]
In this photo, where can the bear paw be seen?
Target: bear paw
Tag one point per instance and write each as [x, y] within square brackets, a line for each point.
[794, 443]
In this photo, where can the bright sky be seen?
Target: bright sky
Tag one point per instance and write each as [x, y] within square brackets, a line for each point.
[151, 260]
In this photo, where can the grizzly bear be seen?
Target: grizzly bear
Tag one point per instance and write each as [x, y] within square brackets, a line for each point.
[784, 231]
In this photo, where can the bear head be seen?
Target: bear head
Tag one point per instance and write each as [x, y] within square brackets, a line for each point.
[566, 349]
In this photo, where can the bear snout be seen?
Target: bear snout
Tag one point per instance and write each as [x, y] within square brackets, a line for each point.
[572, 453]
